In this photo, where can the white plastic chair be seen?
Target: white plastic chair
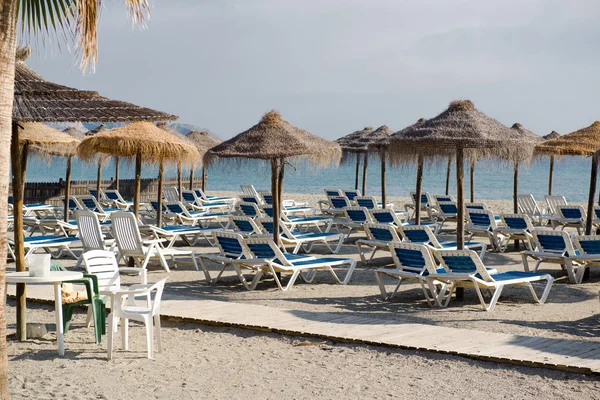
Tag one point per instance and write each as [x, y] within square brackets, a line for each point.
[125, 307]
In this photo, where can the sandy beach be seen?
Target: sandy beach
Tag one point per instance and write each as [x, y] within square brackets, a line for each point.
[217, 362]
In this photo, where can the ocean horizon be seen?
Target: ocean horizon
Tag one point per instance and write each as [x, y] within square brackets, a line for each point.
[493, 178]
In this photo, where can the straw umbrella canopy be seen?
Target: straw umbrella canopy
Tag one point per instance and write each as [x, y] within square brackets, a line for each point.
[526, 134]
[76, 133]
[356, 144]
[144, 142]
[583, 142]
[419, 187]
[168, 128]
[203, 141]
[551, 135]
[276, 140]
[470, 134]
[38, 100]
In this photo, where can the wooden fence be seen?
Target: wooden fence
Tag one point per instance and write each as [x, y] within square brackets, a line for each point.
[54, 192]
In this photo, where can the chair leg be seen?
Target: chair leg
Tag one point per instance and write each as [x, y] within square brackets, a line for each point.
[88, 318]
[111, 334]
[125, 334]
[361, 253]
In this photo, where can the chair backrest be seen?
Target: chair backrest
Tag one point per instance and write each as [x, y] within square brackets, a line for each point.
[90, 203]
[351, 194]
[483, 219]
[333, 192]
[412, 257]
[425, 197]
[551, 241]
[126, 232]
[517, 221]
[339, 202]
[448, 207]
[476, 206]
[385, 216]
[554, 201]
[462, 262]
[103, 264]
[571, 212]
[229, 244]
[368, 202]
[527, 205]
[358, 214]
[587, 244]
[419, 234]
[170, 194]
[131, 300]
[443, 198]
[90, 232]
[382, 232]
[189, 196]
[244, 225]
[249, 209]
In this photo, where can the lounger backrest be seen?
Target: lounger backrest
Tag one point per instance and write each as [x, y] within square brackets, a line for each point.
[268, 210]
[90, 232]
[424, 198]
[351, 194]
[268, 198]
[587, 244]
[554, 201]
[170, 194]
[90, 203]
[112, 195]
[249, 209]
[249, 199]
[481, 218]
[527, 205]
[175, 207]
[596, 212]
[382, 232]
[74, 204]
[416, 234]
[266, 223]
[367, 202]
[265, 248]
[200, 194]
[333, 192]
[571, 212]
[384, 216]
[249, 190]
[230, 244]
[103, 264]
[93, 193]
[552, 241]
[412, 257]
[357, 214]
[448, 207]
[244, 224]
[189, 196]
[462, 262]
[339, 202]
[517, 221]
[476, 206]
[126, 232]
[444, 199]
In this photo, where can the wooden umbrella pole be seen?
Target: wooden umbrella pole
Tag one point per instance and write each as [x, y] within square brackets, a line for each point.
[274, 193]
[280, 184]
[18, 229]
[364, 177]
[99, 180]
[67, 190]
[419, 190]
[180, 180]
[383, 194]
[161, 170]
[137, 184]
[117, 173]
[192, 178]
[357, 171]
[460, 197]
[203, 181]
[550, 175]
[448, 176]
[472, 181]
[516, 187]
[592, 195]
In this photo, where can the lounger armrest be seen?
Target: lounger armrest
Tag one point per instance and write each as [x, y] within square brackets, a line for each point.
[154, 241]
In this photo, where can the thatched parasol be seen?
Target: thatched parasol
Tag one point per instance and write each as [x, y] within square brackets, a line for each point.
[527, 135]
[275, 139]
[142, 141]
[76, 133]
[467, 132]
[203, 141]
[356, 144]
[38, 100]
[419, 188]
[583, 142]
[551, 135]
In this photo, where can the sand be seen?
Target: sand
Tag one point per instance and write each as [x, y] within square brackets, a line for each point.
[209, 362]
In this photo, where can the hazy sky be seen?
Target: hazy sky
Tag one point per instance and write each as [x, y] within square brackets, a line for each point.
[335, 66]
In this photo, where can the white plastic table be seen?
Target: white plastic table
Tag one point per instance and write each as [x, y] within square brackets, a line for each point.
[55, 278]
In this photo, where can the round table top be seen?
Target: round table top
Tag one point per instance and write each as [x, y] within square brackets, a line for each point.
[53, 277]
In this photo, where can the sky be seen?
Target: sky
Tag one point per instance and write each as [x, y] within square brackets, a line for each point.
[335, 66]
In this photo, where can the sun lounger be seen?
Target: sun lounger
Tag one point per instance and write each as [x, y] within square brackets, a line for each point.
[370, 203]
[426, 202]
[483, 223]
[569, 217]
[356, 218]
[303, 240]
[193, 218]
[350, 194]
[553, 247]
[90, 203]
[250, 209]
[553, 202]
[379, 236]
[213, 199]
[244, 225]
[464, 268]
[515, 227]
[527, 205]
[587, 248]
[444, 212]
[336, 206]
[301, 223]
[420, 234]
[55, 245]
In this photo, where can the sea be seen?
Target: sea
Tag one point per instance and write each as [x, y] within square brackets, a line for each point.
[493, 179]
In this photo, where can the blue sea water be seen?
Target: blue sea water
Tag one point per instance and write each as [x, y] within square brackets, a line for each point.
[493, 179]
